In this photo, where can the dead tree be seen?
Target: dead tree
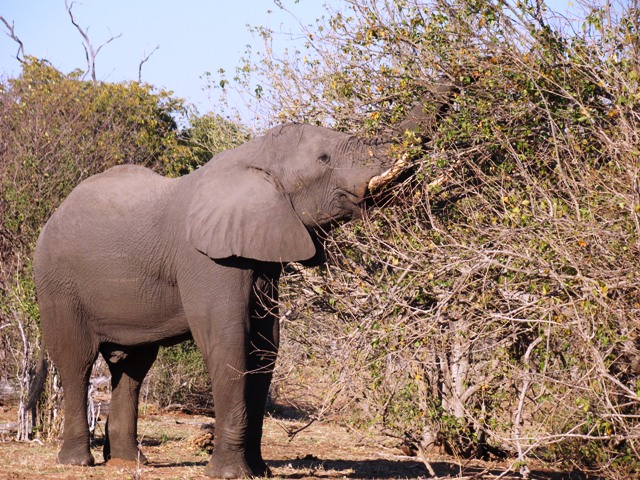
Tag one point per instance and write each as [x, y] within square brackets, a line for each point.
[89, 51]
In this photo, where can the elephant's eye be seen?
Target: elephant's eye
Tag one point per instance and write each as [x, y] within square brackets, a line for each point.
[325, 158]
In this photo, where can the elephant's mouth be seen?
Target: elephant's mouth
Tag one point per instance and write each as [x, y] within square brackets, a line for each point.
[344, 206]
[348, 203]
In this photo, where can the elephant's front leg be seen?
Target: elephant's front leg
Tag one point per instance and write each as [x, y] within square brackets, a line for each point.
[219, 312]
[230, 458]
[264, 339]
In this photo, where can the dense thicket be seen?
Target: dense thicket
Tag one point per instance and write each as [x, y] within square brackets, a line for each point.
[496, 309]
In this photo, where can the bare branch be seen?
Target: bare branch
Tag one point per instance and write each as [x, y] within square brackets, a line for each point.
[111, 39]
[90, 52]
[88, 48]
[12, 34]
[143, 61]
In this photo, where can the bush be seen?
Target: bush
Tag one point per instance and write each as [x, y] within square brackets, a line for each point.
[496, 308]
[58, 130]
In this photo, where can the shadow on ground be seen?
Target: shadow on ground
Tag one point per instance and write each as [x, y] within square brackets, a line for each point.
[402, 469]
[201, 464]
[281, 411]
[147, 441]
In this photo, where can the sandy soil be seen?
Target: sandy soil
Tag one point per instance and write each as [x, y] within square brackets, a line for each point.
[174, 443]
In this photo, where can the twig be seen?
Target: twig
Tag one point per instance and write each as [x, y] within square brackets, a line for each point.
[423, 458]
[524, 469]
[292, 433]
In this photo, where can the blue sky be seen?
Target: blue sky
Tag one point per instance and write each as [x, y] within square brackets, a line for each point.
[194, 36]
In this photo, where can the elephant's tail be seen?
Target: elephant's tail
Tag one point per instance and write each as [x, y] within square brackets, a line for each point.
[37, 382]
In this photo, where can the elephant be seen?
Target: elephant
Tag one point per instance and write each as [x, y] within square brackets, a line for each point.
[132, 261]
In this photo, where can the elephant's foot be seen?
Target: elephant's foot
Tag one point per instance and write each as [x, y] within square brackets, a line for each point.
[128, 454]
[257, 464]
[76, 456]
[236, 465]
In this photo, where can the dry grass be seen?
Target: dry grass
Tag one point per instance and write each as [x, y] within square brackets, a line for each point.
[324, 450]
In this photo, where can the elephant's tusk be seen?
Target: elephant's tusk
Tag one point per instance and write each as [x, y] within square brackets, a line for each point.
[382, 180]
[379, 181]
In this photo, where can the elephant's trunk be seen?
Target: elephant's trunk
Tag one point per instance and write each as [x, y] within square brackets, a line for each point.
[420, 122]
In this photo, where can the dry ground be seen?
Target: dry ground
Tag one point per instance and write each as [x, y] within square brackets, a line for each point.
[170, 441]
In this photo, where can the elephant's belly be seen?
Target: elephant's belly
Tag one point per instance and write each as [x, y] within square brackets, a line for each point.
[130, 313]
[163, 331]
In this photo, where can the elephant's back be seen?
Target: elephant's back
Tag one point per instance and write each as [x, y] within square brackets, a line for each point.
[122, 202]
[111, 195]
[121, 188]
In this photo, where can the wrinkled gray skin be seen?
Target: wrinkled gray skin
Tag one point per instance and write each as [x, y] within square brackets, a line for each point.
[132, 260]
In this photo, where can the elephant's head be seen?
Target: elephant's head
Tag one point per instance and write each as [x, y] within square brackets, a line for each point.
[265, 200]
[324, 173]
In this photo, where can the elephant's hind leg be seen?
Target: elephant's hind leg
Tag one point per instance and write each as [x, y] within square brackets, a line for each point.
[71, 348]
[128, 368]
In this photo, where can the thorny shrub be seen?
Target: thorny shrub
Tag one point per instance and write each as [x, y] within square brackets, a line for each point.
[495, 310]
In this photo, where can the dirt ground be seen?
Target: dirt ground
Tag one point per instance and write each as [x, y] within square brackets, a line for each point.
[173, 443]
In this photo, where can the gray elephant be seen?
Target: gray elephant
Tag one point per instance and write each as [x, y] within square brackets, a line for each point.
[132, 261]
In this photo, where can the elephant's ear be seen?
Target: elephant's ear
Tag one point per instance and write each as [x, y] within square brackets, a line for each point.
[243, 213]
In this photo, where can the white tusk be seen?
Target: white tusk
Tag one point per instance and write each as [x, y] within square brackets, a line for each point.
[379, 181]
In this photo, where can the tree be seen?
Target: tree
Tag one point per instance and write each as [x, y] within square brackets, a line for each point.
[90, 51]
